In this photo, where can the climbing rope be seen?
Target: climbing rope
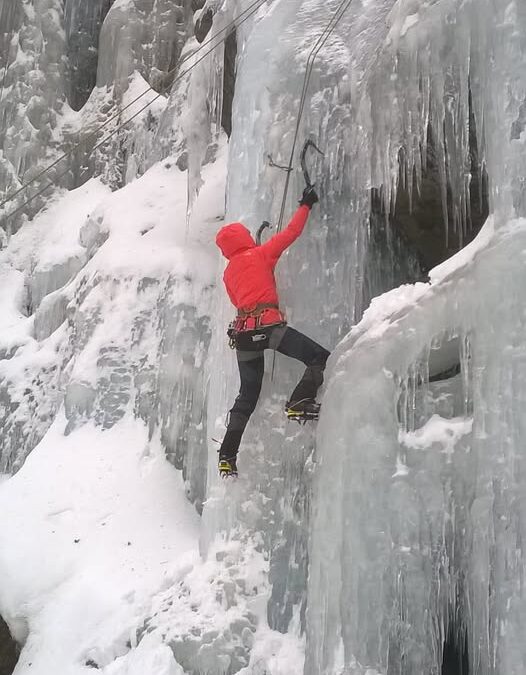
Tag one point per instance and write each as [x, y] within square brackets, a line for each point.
[320, 43]
[225, 32]
[335, 20]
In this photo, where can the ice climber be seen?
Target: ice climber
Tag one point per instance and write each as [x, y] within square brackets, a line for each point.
[260, 324]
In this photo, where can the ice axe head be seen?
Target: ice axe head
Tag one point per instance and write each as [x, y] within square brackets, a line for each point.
[308, 144]
[260, 231]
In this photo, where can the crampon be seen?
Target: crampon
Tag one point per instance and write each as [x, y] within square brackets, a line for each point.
[303, 411]
[227, 468]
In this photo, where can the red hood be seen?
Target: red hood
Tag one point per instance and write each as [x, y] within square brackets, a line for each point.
[233, 239]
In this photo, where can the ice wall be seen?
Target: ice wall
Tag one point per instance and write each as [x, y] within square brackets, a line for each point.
[394, 74]
[47, 324]
[421, 533]
[419, 542]
[109, 333]
[53, 55]
[274, 459]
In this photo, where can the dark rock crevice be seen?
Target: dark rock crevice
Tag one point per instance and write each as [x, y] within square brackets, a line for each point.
[83, 21]
[229, 82]
[9, 650]
[425, 225]
[456, 655]
[203, 25]
[202, 30]
[435, 235]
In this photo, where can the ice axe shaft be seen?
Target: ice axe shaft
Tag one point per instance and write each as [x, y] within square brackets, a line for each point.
[304, 167]
[261, 229]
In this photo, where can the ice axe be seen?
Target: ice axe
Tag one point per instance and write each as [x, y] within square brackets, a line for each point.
[260, 231]
[303, 159]
[304, 167]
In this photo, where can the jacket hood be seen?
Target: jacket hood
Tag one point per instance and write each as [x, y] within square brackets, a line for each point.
[233, 239]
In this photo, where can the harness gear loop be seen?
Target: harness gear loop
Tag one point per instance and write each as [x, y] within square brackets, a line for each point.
[250, 320]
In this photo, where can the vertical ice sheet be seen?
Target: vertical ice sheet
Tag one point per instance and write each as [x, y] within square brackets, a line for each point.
[142, 353]
[417, 532]
[412, 544]
[392, 72]
[319, 285]
[389, 70]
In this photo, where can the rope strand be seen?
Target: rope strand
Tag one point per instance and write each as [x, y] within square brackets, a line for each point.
[335, 20]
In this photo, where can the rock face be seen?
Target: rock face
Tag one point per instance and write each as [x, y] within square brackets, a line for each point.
[431, 232]
[8, 650]
[229, 82]
[83, 21]
[203, 25]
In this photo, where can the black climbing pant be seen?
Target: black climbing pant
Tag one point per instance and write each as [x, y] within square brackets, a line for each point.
[251, 364]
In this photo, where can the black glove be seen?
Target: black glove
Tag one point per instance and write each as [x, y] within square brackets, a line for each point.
[309, 197]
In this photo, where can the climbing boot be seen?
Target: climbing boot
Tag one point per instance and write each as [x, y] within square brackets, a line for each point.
[303, 411]
[227, 467]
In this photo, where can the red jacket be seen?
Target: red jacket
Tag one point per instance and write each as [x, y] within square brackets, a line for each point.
[249, 275]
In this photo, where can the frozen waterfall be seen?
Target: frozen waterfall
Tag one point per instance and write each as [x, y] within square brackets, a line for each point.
[386, 540]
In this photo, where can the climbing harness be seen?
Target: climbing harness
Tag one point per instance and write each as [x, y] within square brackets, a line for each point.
[303, 411]
[224, 32]
[249, 332]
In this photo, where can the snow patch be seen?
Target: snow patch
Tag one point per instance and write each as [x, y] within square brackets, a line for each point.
[104, 517]
[437, 430]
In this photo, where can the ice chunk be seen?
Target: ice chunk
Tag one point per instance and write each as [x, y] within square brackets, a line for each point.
[151, 656]
[50, 314]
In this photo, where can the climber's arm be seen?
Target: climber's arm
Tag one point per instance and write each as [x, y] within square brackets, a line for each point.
[275, 246]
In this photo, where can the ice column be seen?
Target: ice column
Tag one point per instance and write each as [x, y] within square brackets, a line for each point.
[319, 280]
